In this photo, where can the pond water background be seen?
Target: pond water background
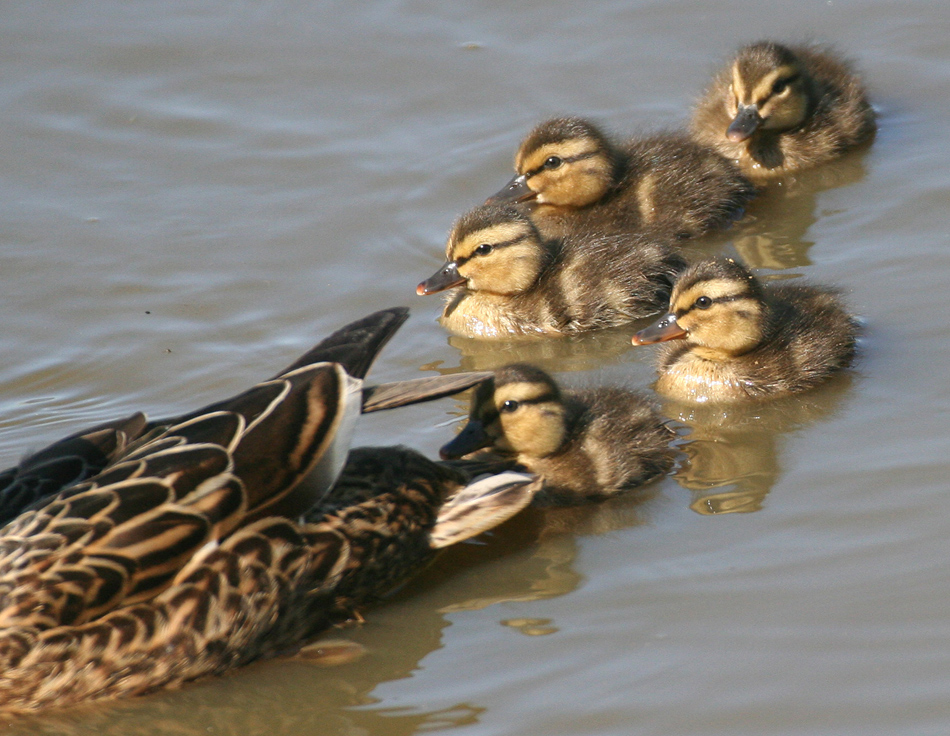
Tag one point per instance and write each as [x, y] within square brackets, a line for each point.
[193, 193]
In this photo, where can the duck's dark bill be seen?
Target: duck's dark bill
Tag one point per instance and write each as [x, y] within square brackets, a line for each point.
[666, 328]
[744, 124]
[516, 190]
[445, 278]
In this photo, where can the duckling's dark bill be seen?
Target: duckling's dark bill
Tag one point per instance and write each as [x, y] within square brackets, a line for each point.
[516, 190]
[472, 437]
[666, 328]
[744, 124]
[445, 278]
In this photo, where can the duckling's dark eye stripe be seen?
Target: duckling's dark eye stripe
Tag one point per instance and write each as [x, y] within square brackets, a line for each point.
[717, 300]
[539, 399]
[494, 246]
[564, 159]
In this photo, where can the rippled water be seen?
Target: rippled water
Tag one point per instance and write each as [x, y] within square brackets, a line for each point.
[192, 194]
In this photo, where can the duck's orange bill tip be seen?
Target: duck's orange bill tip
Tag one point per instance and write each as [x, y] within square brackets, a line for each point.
[666, 328]
[445, 278]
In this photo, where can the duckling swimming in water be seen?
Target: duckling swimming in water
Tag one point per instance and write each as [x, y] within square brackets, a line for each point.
[777, 109]
[512, 281]
[585, 445]
[578, 180]
[741, 340]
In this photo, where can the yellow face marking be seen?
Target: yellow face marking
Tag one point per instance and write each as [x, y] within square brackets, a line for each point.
[521, 391]
[763, 90]
[567, 149]
[495, 235]
[535, 428]
[738, 86]
[714, 289]
[504, 259]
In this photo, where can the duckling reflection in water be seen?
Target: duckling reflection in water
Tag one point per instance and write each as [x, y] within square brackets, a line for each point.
[733, 451]
[777, 109]
[511, 281]
[740, 340]
[578, 180]
[586, 445]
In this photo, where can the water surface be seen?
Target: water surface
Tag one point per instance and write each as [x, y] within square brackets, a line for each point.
[193, 194]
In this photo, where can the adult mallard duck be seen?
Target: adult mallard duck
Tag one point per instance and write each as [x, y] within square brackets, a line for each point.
[739, 339]
[578, 180]
[82, 455]
[584, 445]
[511, 281]
[199, 548]
[777, 109]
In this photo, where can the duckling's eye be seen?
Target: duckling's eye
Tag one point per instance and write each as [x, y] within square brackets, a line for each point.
[780, 86]
[553, 162]
[510, 406]
[483, 250]
[704, 302]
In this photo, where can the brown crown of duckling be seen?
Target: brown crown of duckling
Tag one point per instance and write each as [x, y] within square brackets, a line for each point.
[778, 108]
[585, 445]
[512, 281]
[578, 180]
[741, 340]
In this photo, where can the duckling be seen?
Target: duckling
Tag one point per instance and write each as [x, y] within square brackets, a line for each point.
[584, 445]
[777, 109]
[514, 282]
[195, 550]
[578, 180]
[743, 340]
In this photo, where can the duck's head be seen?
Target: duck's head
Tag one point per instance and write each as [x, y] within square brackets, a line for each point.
[495, 249]
[770, 90]
[519, 411]
[567, 162]
[717, 306]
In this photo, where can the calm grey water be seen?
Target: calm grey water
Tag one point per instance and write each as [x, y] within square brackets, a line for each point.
[193, 193]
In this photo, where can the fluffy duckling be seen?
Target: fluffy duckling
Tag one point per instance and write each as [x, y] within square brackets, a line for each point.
[777, 109]
[742, 340]
[585, 445]
[515, 282]
[578, 180]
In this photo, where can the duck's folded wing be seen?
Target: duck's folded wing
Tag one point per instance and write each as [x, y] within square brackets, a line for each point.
[70, 460]
[124, 535]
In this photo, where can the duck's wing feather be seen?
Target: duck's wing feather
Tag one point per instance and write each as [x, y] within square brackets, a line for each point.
[72, 459]
[482, 505]
[417, 390]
